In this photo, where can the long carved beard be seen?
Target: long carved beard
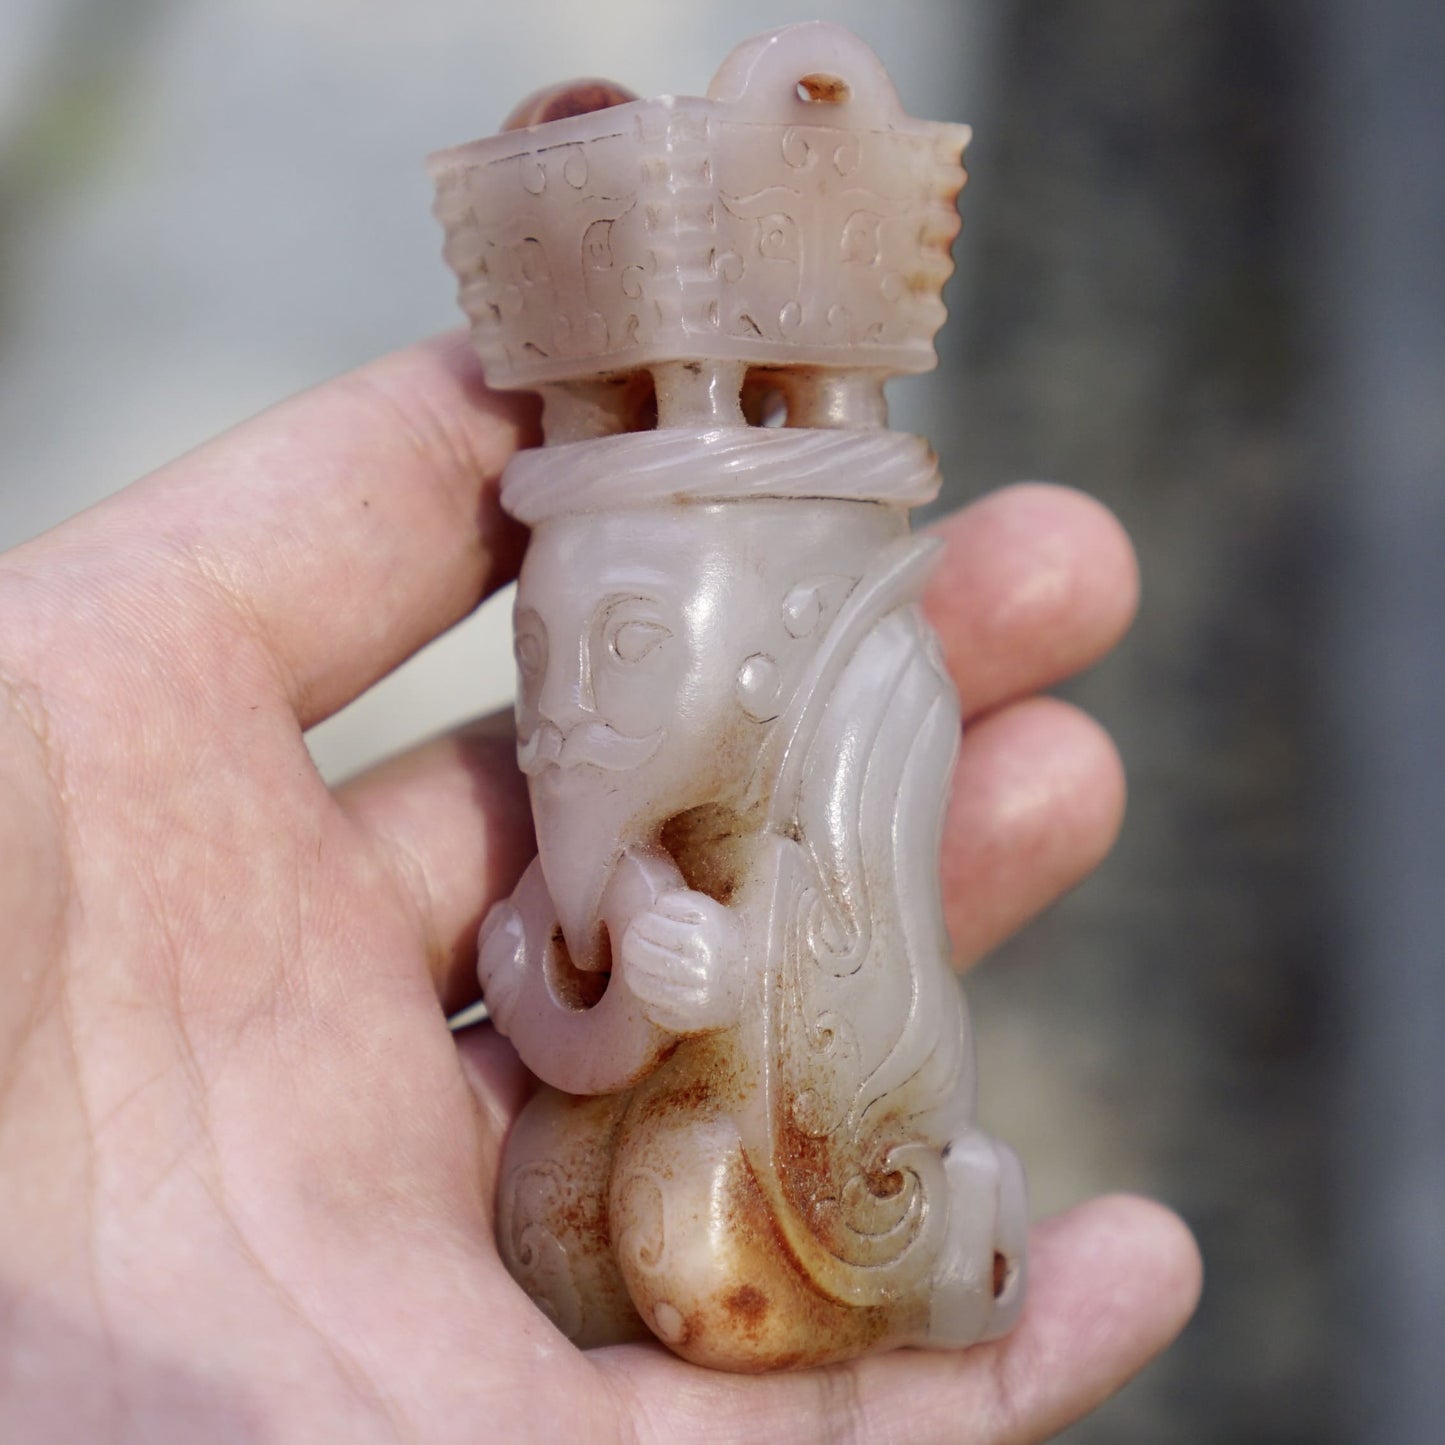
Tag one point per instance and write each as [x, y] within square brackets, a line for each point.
[584, 823]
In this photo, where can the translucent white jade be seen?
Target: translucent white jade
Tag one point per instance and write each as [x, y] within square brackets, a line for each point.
[728, 962]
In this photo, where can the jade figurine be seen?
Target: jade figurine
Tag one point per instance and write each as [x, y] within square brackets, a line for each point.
[728, 965]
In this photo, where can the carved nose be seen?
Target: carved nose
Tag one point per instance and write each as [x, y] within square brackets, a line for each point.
[564, 710]
[566, 699]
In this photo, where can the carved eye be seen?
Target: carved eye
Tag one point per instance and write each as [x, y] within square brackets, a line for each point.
[635, 638]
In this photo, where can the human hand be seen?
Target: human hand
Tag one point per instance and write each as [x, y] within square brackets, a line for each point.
[246, 1173]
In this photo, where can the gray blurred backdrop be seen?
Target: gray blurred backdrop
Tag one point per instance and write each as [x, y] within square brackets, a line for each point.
[1201, 277]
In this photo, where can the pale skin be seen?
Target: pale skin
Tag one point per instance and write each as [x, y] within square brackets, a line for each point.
[246, 1174]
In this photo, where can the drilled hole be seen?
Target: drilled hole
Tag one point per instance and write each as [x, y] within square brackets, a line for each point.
[821, 89]
[642, 403]
[763, 403]
[573, 987]
[1000, 1274]
[774, 409]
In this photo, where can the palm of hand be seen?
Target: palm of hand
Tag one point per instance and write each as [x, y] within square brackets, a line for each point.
[248, 1172]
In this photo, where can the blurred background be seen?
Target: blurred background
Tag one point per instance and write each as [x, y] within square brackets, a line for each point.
[1203, 277]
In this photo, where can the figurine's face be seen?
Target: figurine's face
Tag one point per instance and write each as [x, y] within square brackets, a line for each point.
[629, 635]
[622, 651]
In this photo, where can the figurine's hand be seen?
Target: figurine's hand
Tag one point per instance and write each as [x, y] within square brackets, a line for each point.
[246, 1174]
[683, 958]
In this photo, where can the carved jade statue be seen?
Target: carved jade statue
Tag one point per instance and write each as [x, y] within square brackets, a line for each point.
[728, 962]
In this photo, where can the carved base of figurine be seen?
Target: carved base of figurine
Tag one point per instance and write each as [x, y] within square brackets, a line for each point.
[635, 1215]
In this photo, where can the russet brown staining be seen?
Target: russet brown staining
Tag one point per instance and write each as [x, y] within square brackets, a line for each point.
[583, 1215]
[582, 1134]
[776, 1318]
[779, 1319]
[825, 89]
[747, 1303]
[805, 1167]
[561, 102]
[685, 1099]
[711, 846]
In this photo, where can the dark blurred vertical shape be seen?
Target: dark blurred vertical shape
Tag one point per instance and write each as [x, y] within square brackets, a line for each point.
[1381, 189]
[1135, 329]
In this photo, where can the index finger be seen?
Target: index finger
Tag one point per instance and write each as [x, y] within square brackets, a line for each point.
[340, 531]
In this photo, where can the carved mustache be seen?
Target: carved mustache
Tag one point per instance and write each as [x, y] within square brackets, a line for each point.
[587, 742]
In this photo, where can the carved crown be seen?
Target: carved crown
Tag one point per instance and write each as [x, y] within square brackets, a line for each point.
[794, 217]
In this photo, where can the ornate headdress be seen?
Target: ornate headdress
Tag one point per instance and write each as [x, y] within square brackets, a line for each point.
[784, 238]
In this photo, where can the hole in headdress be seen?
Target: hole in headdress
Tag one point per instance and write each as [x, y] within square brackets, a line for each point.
[772, 409]
[642, 402]
[763, 401]
[822, 89]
